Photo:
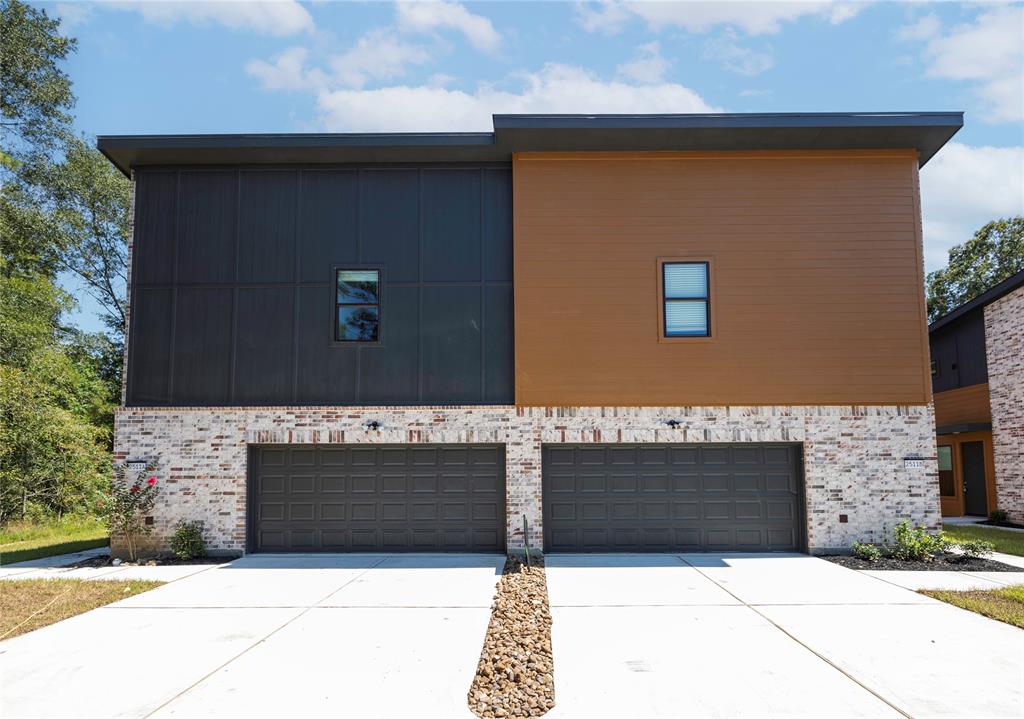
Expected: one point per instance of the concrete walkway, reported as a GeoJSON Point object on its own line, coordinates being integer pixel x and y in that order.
{"type": "Point", "coordinates": [768, 636]}
{"type": "Point", "coordinates": [267, 636]}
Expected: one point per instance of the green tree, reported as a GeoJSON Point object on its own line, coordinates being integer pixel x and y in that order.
{"type": "Point", "coordinates": [53, 456]}
{"type": "Point", "coordinates": [994, 253]}
{"type": "Point", "coordinates": [60, 211]}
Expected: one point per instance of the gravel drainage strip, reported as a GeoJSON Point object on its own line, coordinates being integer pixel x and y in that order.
{"type": "Point", "coordinates": [515, 675]}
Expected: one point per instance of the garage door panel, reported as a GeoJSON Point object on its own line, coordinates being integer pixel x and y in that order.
{"type": "Point", "coordinates": [707, 498]}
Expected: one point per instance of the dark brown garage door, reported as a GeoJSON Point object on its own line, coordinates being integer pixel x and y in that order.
{"type": "Point", "coordinates": [383, 498]}
{"type": "Point", "coordinates": [685, 498]}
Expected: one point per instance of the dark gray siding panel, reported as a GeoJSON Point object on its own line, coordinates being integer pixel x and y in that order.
{"type": "Point", "coordinates": [497, 225]}
{"type": "Point", "coordinates": [202, 346]}
{"type": "Point", "coordinates": [389, 223]}
{"type": "Point", "coordinates": [266, 236]}
{"type": "Point", "coordinates": [388, 373]}
{"type": "Point", "coordinates": [451, 226]}
{"type": "Point", "coordinates": [328, 222]}
{"type": "Point", "coordinates": [958, 351]}
{"type": "Point", "coordinates": [156, 196]}
{"type": "Point", "coordinates": [323, 377]}
{"type": "Point", "coordinates": [498, 348]}
{"type": "Point", "coordinates": [263, 346]}
{"type": "Point", "coordinates": [152, 349]}
{"type": "Point", "coordinates": [451, 346]}
{"type": "Point", "coordinates": [246, 259]}
{"type": "Point", "coordinates": [207, 226]}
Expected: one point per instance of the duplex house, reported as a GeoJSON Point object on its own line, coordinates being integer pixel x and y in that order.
{"type": "Point", "coordinates": [977, 371]}
{"type": "Point", "coordinates": [588, 333]}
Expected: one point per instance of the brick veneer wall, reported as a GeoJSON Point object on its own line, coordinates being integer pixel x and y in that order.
{"type": "Point", "coordinates": [853, 456]}
{"type": "Point", "coordinates": [1004, 350]}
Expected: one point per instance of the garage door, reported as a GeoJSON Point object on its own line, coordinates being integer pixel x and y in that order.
{"type": "Point", "coordinates": [657, 498]}
{"type": "Point", "coordinates": [383, 498]}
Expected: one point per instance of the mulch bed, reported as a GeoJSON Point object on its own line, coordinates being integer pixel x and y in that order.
{"type": "Point", "coordinates": [515, 676]}
{"type": "Point", "coordinates": [944, 562]}
{"type": "Point", "coordinates": [105, 560]}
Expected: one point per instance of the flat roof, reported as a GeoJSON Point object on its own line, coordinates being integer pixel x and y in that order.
{"type": "Point", "coordinates": [985, 298]}
{"type": "Point", "coordinates": [925, 132]}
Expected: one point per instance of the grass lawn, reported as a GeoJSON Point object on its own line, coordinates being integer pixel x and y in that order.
{"type": "Point", "coordinates": [1006, 604]}
{"type": "Point", "coordinates": [21, 541]}
{"type": "Point", "coordinates": [1006, 541]}
{"type": "Point", "coordinates": [27, 604]}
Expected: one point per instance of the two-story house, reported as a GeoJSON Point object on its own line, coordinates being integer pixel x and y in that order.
{"type": "Point", "coordinates": [977, 370]}
{"type": "Point", "coordinates": [597, 333]}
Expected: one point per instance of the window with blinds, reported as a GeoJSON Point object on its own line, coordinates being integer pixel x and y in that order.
{"type": "Point", "coordinates": [687, 310]}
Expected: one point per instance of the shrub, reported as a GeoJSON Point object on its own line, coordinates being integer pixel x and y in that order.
{"type": "Point", "coordinates": [126, 505]}
{"type": "Point", "coordinates": [915, 543]}
{"type": "Point", "coordinates": [187, 542]}
{"type": "Point", "coordinates": [976, 548]}
{"type": "Point", "coordinates": [867, 552]}
{"type": "Point", "coordinates": [998, 516]}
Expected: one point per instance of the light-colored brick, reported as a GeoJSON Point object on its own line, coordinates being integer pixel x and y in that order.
{"type": "Point", "coordinates": [853, 456]}
{"type": "Point", "coordinates": [1004, 350]}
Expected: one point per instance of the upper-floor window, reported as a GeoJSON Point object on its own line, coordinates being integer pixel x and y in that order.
{"type": "Point", "coordinates": [357, 306]}
{"type": "Point", "coordinates": [687, 310]}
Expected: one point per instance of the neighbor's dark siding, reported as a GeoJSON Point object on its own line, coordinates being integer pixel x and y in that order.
{"type": "Point", "coordinates": [232, 297]}
{"type": "Point", "coordinates": [958, 351]}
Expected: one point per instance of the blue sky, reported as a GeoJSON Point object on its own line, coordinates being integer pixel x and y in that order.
{"type": "Point", "coordinates": [154, 66]}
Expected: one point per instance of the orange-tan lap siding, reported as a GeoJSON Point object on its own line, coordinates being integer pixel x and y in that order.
{"type": "Point", "coordinates": [816, 274]}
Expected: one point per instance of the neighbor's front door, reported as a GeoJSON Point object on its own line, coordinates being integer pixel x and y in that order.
{"type": "Point", "coordinates": [973, 458]}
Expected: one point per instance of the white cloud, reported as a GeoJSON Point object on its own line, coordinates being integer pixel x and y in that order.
{"type": "Point", "coordinates": [924, 28]}
{"type": "Point", "coordinates": [430, 16]}
{"type": "Point", "coordinates": [962, 188]}
{"type": "Point", "coordinates": [736, 58]}
{"type": "Point", "coordinates": [268, 17]}
{"type": "Point", "coordinates": [647, 65]}
{"type": "Point", "coordinates": [287, 71]}
{"type": "Point", "coordinates": [988, 52]}
{"type": "Point", "coordinates": [555, 88]}
{"type": "Point", "coordinates": [72, 14]}
{"type": "Point", "coordinates": [754, 18]}
{"type": "Point", "coordinates": [377, 55]}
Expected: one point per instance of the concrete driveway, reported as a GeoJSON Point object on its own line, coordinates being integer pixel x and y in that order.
{"type": "Point", "coordinates": [768, 636]}
{"type": "Point", "coordinates": [267, 636]}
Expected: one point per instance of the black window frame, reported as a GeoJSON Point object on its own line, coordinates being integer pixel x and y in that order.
{"type": "Point", "coordinates": [336, 271]}
{"type": "Point", "coordinates": [665, 299]}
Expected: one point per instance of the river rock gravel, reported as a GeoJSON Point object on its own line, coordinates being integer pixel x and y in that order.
{"type": "Point", "coordinates": [515, 676]}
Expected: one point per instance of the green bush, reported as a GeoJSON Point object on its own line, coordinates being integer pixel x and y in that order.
{"type": "Point", "coordinates": [998, 516]}
{"type": "Point", "coordinates": [867, 552]}
{"type": "Point", "coordinates": [976, 548]}
{"type": "Point", "coordinates": [187, 542]}
{"type": "Point", "coordinates": [915, 543]}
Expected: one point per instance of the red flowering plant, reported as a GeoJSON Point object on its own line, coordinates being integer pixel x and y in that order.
{"type": "Point", "coordinates": [128, 503]}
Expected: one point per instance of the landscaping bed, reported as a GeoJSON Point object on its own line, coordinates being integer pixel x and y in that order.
{"type": "Point", "coordinates": [1005, 604]}
{"type": "Point", "coordinates": [1006, 541]}
{"type": "Point", "coordinates": [27, 604]}
{"type": "Point", "coordinates": [515, 676]}
{"type": "Point", "coordinates": [942, 562]}
{"type": "Point", "coordinates": [105, 560]}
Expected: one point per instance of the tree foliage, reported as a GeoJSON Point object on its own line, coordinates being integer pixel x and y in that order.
{"type": "Point", "coordinates": [62, 210]}
{"type": "Point", "coordinates": [994, 253]}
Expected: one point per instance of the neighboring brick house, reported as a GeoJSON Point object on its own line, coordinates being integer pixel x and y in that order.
{"type": "Point", "coordinates": [632, 333]}
{"type": "Point", "coordinates": [978, 379]}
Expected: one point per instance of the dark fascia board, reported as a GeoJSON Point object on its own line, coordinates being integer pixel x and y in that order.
{"type": "Point", "coordinates": [1003, 288]}
{"type": "Point", "coordinates": [964, 428]}
{"type": "Point", "coordinates": [129, 151]}
{"type": "Point", "coordinates": [924, 132]}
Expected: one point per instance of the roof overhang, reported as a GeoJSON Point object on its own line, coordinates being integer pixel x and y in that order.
{"type": "Point", "coordinates": [924, 132]}
{"type": "Point", "coordinates": [989, 296]}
